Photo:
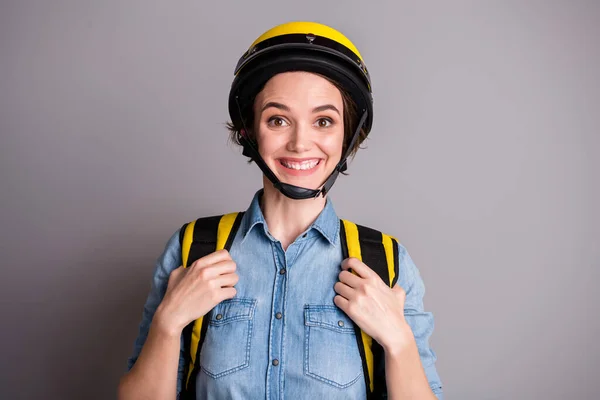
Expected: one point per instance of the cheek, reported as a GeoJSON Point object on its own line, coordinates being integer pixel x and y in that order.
{"type": "Point", "coordinates": [267, 144]}
{"type": "Point", "coordinates": [333, 146]}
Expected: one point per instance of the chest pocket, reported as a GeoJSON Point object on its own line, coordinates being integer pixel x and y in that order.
{"type": "Point", "coordinates": [226, 347]}
{"type": "Point", "coordinates": [330, 350]}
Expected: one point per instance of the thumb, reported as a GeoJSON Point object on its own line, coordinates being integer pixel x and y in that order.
{"type": "Point", "coordinates": [398, 291]}
{"type": "Point", "coordinates": [175, 275]}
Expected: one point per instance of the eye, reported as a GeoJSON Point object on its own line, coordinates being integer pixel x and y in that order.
{"type": "Point", "coordinates": [277, 122]}
{"type": "Point", "coordinates": [324, 122]}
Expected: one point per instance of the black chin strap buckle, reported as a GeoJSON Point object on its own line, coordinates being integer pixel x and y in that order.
{"type": "Point", "coordinates": [246, 150]}
{"type": "Point", "coordinates": [343, 166]}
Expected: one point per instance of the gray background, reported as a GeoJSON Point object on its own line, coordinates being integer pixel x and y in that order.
{"type": "Point", "coordinates": [482, 161]}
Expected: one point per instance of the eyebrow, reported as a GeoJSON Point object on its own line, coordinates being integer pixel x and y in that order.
{"type": "Point", "coordinates": [283, 107]}
{"type": "Point", "coordinates": [275, 105]}
{"type": "Point", "coordinates": [325, 108]}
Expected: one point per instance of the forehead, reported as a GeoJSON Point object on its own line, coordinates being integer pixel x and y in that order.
{"type": "Point", "coordinates": [299, 88]}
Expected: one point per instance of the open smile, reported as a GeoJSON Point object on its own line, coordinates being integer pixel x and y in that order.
{"type": "Point", "coordinates": [299, 167]}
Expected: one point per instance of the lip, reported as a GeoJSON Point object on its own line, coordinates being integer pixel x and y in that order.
{"type": "Point", "coordinates": [298, 172]}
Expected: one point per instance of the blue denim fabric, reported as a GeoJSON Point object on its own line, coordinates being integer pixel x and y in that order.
{"type": "Point", "coordinates": [312, 340]}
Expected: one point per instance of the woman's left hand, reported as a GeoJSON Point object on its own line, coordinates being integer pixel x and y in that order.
{"type": "Point", "coordinates": [375, 307]}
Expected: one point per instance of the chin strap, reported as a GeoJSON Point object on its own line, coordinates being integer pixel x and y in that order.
{"type": "Point", "coordinates": [291, 191]}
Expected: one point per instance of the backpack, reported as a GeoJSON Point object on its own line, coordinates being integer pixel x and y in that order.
{"type": "Point", "coordinates": [379, 251]}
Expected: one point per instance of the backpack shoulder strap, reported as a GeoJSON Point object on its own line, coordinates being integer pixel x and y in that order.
{"type": "Point", "coordinates": [206, 235]}
{"type": "Point", "coordinates": [198, 239]}
{"type": "Point", "coordinates": [376, 249]}
{"type": "Point", "coordinates": [380, 252]}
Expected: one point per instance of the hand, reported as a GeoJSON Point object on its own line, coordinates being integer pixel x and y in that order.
{"type": "Point", "coordinates": [194, 291]}
{"type": "Point", "coordinates": [375, 307]}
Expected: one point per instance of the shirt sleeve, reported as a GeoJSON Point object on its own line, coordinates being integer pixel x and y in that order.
{"type": "Point", "coordinates": [420, 321]}
{"type": "Point", "coordinates": [169, 260]}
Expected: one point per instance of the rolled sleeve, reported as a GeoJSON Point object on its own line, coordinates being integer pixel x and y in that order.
{"type": "Point", "coordinates": [169, 260]}
{"type": "Point", "coordinates": [420, 321]}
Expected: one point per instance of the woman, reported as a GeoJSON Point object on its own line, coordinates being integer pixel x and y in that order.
{"type": "Point", "coordinates": [285, 313]}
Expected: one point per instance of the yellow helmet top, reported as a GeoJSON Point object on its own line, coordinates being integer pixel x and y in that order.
{"type": "Point", "coordinates": [301, 46]}
{"type": "Point", "coordinates": [306, 28]}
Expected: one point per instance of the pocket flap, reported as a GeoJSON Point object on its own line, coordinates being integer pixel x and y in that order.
{"type": "Point", "coordinates": [330, 317]}
{"type": "Point", "coordinates": [232, 310]}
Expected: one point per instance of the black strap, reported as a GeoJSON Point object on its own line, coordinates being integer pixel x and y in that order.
{"type": "Point", "coordinates": [204, 242]}
{"type": "Point", "coordinates": [373, 254]}
{"type": "Point", "coordinates": [357, 330]}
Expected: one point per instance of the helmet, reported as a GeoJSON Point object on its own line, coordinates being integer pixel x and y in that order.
{"type": "Point", "coordinates": [300, 46]}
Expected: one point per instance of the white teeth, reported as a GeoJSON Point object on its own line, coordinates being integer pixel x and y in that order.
{"type": "Point", "coordinates": [300, 166]}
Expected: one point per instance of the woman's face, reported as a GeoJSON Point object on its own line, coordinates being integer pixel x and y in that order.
{"type": "Point", "coordinates": [299, 127]}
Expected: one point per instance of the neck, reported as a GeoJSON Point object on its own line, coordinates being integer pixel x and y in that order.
{"type": "Point", "coordinates": [287, 218]}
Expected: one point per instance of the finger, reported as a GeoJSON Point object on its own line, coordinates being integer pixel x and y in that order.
{"type": "Point", "coordinates": [358, 267]}
{"type": "Point", "coordinates": [213, 271]}
{"type": "Point", "coordinates": [220, 268]}
{"type": "Point", "coordinates": [399, 291]}
{"type": "Point", "coordinates": [177, 271]}
{"type": "Point", "coordinates": [350, 279]}
{"type": "Point", "coordinates": [344, 290]}
{"type": "Point", "coordinates": [223, 267]}
{"type": "Point", "coordinates": [175, 275]}
{"type": "Point", "coordinates": [212, 258]}
{"type": "Point", "coordinates": [227, 280]}
{"type": "Point", "coordinates": [342, 303]}
{"type": "Point", "coordinates": [226, 293]}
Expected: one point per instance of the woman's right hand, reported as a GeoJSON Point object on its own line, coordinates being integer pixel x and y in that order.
{"type": "Point", "coordinates": [194, 291]}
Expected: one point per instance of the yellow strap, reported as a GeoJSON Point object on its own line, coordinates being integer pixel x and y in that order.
{"type": "Point", "coordinates": [389, 256]}
{"type": "Point", "coordinates": [352, 239]}
{"type": "Point", "coordinates": [225, 225]}
{"type": "Point", "coordinates": [187, 242]}
{"type": "Point", "coordinates": [188, 237]}
{"type": "Point", "coordinates": [223, 231]}
{"type": "Point", "coordinates": [194, 346]}
{"type": "Point", "coordinates": [353, 243]}
{"type": "Point", "coordinates": [368, 343]}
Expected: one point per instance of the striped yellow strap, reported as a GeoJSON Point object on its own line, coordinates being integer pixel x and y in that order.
{"type": "Point", "coordinates": [186, 245]}
{"type": "Point", "coordinates": [188, 236]}
{"type": "Point", "coordinates": [389, 255]}
{"type": "Point", "coordinates": [194, 346]}
{"type": "Point", "coordinates": [352, 239]}
{"type": "Point", "coordinates": [225, 226]}
{"type": "Point", "coordinates": [353, 243]}
{"type": "Point", "coordinates": [223, 231]}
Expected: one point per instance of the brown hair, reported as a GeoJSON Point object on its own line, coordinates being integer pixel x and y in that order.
{"type": "Point", "coordinates": [350, 121]}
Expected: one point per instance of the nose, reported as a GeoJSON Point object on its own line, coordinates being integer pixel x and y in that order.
{"type": "Point", "coordinates": [300, 140]}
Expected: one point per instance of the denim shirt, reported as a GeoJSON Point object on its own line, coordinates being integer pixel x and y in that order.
{"type": "Point", "coordinates": [281, 337]}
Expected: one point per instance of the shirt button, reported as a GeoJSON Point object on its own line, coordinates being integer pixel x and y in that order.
{"type": "Point", "coordinates": [275, 362]}
{"type": "Point", "coordinates": [278, 315]}
{"type": "Point", "coordinates": [219, 316]}
{"type": "Point", "coordinates": [282, 271]}
{"type": "Point", "coordinates": [341, 323]}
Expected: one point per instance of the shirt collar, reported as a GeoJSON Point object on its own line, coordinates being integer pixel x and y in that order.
{"type": "Point", "coordinates": [327, 223]}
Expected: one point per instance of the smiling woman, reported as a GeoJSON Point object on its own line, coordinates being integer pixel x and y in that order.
{"type": "Point", "coordinates": [286, 300]}
{"type": "Point", "coordinates": [347, 112]}
{"type": "Point", "coordinates": [299, 128]}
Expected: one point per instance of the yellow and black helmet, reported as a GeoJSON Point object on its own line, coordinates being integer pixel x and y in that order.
{"type": "Point", "coordinates": [301, 46]}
